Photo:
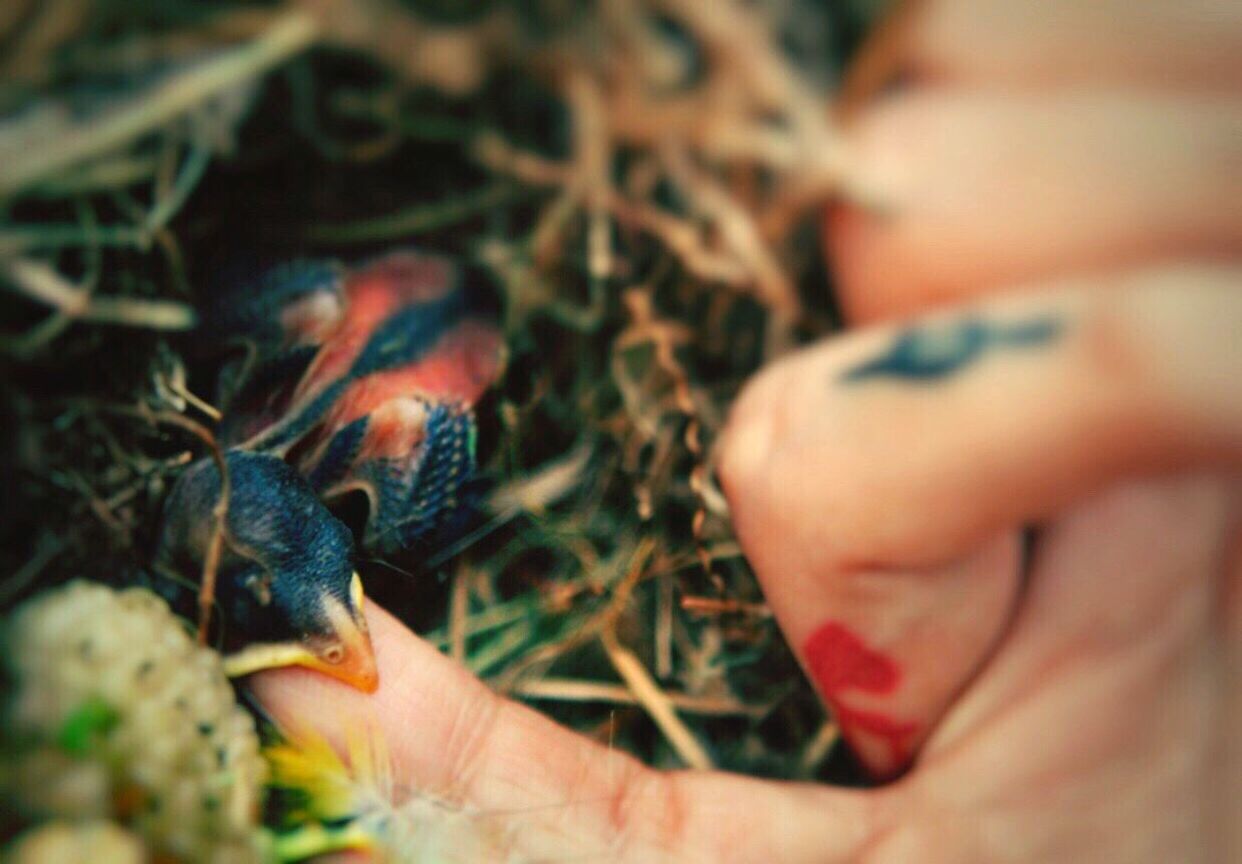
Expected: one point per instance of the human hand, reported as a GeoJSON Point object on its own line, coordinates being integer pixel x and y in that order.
{"type": "Point", "coordinates": [1071, 699]}
{"type": "Point", "coordinates": [1071, 703]}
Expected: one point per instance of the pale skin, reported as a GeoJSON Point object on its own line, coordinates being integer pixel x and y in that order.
{"type": "Point", "coordinates": [1080, 703]}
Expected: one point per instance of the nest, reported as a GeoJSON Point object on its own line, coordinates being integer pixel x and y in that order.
{"type": "Point", "coordinates": [643, 179]}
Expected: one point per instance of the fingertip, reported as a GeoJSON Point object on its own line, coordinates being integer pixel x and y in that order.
{"type": "Point", "coordinates": [764, 419]}
{"type": "Point", "coordinates": [746, 441]}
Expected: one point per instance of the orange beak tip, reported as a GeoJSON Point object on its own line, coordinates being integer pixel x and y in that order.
{"type": "Point", "coordinates": [359, 669]}
{"type": "Point", "coordinates": [363, 674]}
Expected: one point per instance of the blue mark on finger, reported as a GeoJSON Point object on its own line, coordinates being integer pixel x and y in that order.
{"type": "Point", "coordinates": [930, 352]}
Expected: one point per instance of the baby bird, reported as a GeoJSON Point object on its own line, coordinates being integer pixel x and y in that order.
{"type": "Point", "coordinates": [379, 401]}
{"type": "Point", "coordinates": [384, 407]}
{"type": "Point", "coordinates": [350, 381]}
{"type": "Point", "coordinates": [285, 580]}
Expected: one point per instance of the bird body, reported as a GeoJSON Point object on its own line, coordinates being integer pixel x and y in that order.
{"type": "Point", "coordinates": [358, 380]}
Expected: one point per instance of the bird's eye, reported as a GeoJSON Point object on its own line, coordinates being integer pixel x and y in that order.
{"type": "Point", "coordinates": [333, 654]}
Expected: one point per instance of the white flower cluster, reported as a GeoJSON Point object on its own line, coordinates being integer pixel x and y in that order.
{"type": "Point", "coordinates": [122, 716]}
{"type": "Point", "coordinates": [64, 842]}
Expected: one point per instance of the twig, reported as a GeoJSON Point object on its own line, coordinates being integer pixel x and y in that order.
{"type": "Point", "coordinates": [496, 154]}
{"type": "Point", "coordinates": [40, 282]}
{"type": "Point", "coordinates": [738, 230]}
{"type": "Point", "coordinates": [818, 748]}
{"type": "Point", "coordinates": [593, 626]}
{"type": "Point", "coordinates": [215, 546]}
{"type": "Point", "coordinates": [636, 676]}
{"type": "Point", "coordinates": [459, 609]}
{"type": "Point", "coordinates": [663, 637]}
{"type": "Point", "coordinates": [288, 35]}
{"type": "Point", "coordinates": [97, 505]}
{"type": "Point", "coordinates": [656, 702]}
{"type": "Point", "coordinates": [419, 218]}
{"type": "Point", "coordinates": [179, 387]}
{"type": "Point", "coordinates": [573, 690]}
{"type": "Point", "coordinates": [501, 648]}
{"type": "Point", "coordinates": [19, 239]}
{"type": "Point", "coordinates": [46, 552]}
{"type": "Point", "coordinates": [544, 486]}
{"type": "Point", "coordinates": [220, 513]}
{"type": "Point", "coordinates": [724, 606]}
{"type": "Point", "coordinates": [594, 160]}
{"type": "Point", "coordinates": [680, 237]}
{"type": "Point", "coordinates": [187, 179]}
{"type": "Point", "coordinates": [500, 615]}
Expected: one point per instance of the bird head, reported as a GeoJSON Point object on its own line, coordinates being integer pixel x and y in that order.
{"type": "Point", "coordinates": [314, 626]}
{"type": "Point", "coordinates": [286, 585]}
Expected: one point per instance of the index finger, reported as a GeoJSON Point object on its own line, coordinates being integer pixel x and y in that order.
{"type": "Point", "coordinates": [1046, 43]}
{"type": "Point", "coordinates": [876, 480]}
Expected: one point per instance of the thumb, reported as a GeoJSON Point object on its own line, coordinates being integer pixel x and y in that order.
{"type": "Point", "coordinates": [542, 792]}
{"type": "Point", "coordinates": [876, 481]}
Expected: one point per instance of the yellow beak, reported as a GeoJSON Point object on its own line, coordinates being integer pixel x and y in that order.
{"type": "Point", "coordinates": [350, 658]}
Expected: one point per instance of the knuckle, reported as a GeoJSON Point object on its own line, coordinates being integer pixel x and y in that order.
{"type": "Point", "coordinates": [646, 815]}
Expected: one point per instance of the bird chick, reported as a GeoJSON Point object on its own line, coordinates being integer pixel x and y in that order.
{"type": "Point", "coordinates": [366, 383]}
{"type": "Point", "coordinates": [350, 380]}
{"type": "Point", "coordinates": [285, 581]}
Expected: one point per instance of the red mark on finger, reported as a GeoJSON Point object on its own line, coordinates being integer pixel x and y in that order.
{"type": "Point", "coordinates": [839, 661]}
